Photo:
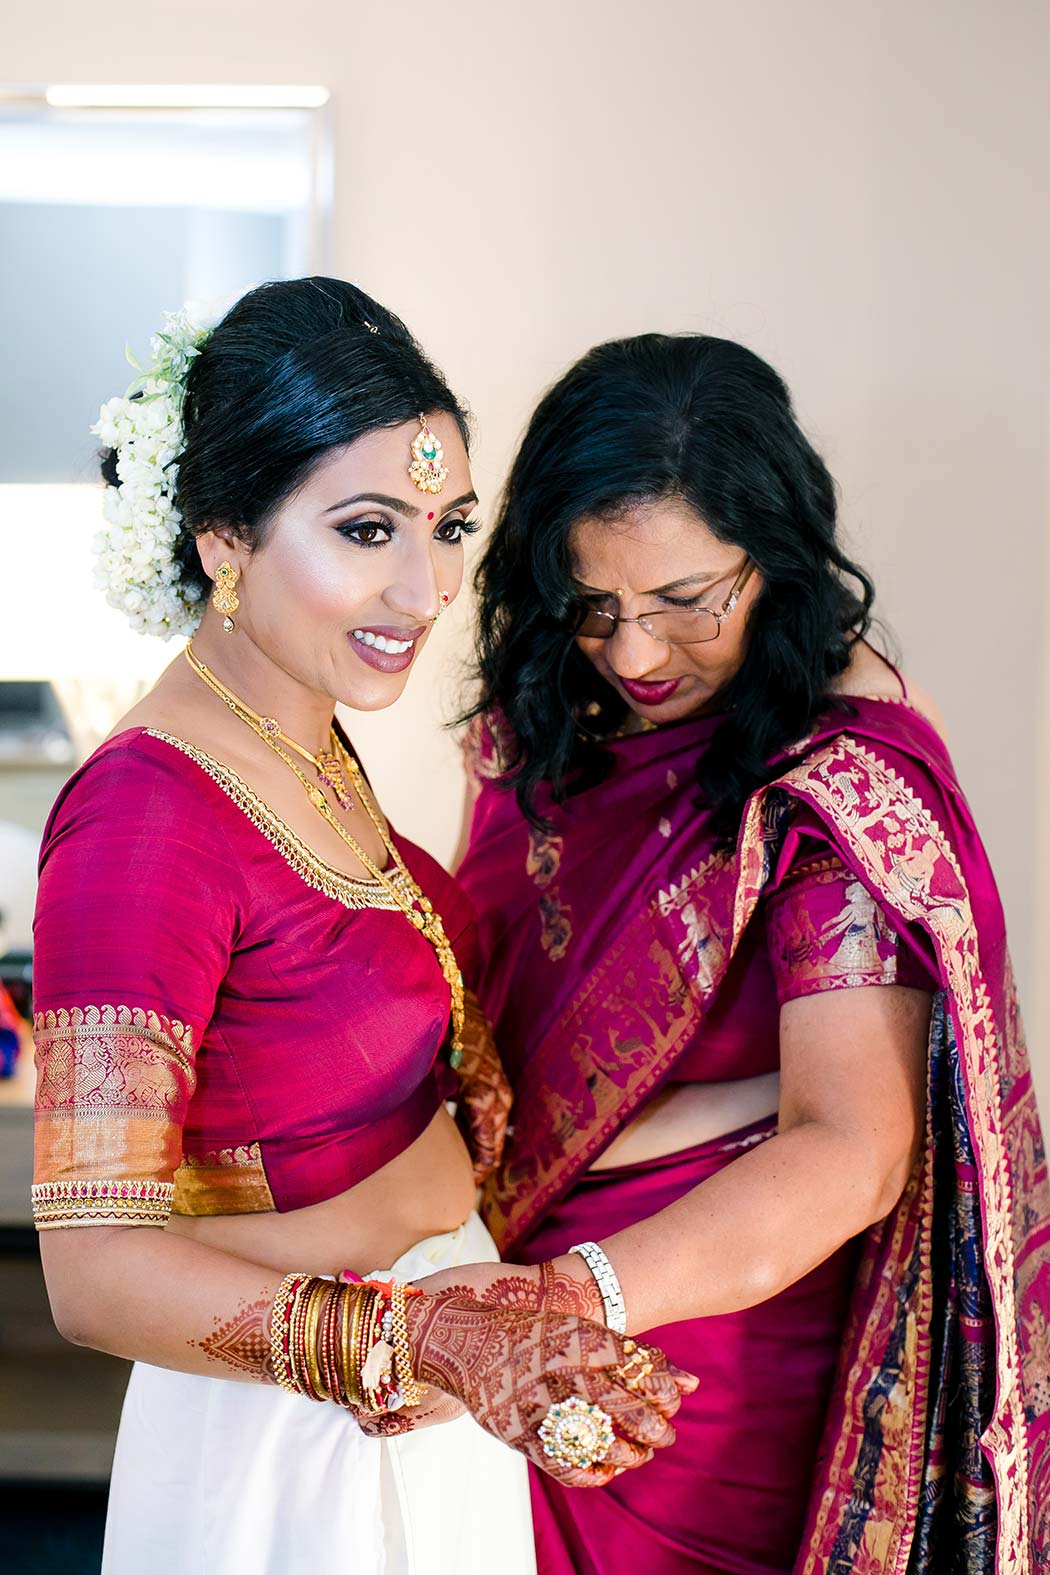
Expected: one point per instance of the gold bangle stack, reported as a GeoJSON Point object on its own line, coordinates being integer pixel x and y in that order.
{"type": "Point", "coordinates": [405, 892]}
{"type": "Point", "coordinates": [324, 1334]}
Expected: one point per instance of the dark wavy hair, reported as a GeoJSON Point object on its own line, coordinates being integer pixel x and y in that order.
{"type": "Point", "coordinates": [294, 369]}
{"type": "Point", "coordinates": [661, 416]}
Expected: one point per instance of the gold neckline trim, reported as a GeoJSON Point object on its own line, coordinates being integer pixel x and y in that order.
{"type": "Point", "coordinates": [351, 891]}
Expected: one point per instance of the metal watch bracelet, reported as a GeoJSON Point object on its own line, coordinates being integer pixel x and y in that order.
{"type": "Point", "coordinates": [607, 1282]}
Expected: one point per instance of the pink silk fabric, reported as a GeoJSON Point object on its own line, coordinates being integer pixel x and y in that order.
{"type": "Point", "coordinates": [914, 1367]}
{"type": "Point", "coordinates": [731, 1493]}
{"type": "Point", "coordinates": [198, 1000]}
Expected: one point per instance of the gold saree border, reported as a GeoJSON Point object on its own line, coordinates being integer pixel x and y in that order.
{"type": "Point", "coordinates": [886, 1538]}
{"type": "Point", "coordinates": [916, 857]}
{"type": "Point", "coordinates": [113, 1085]}
{"type": "Point", "coordinates": [61, 1204]}
{"type": "Point", "coordinates": [665, 1018]}
{"type": "Point", "coordinates": [223, 1181]}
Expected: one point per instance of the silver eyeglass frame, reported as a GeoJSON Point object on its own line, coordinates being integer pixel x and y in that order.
{"type": "Point", "coordinates": [644, 620]}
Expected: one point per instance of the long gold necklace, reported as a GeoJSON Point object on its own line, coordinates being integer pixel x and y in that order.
{"type": "Point", "coordinates": [326, 762]}
{"type": "Point", "coordinates": [406, 894]}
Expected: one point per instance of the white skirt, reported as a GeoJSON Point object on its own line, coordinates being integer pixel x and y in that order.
{"type": "Point", "coordinates": [213, 1477]}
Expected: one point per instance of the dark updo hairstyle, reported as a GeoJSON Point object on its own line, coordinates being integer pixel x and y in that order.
{"type": "Point", "coordinates": [662, 416]}
{"type": "Point", "coordinates": [294, 369]}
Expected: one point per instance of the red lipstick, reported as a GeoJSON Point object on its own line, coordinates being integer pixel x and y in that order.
{"type": "Point", "coordinates": [650, 694]}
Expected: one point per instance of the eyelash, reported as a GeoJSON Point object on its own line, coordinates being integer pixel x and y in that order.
{"type": "Point", "coordinates": [350, 531]}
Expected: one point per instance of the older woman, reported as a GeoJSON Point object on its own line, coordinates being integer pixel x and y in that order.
{"type": "Point", "coordinates": [745, 960]}
{"type": "Point", "coordinates": [249, 1010]}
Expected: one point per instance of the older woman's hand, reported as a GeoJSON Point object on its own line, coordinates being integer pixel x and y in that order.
{"type": "Point", "coordinates": [510, 1366]}
{"type": "Point", "coordinates": [565, 1286]}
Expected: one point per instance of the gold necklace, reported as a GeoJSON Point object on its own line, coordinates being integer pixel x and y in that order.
{"type": "Point", "coordinates": [326, 763]}
{"type": "Point", "coordinates": [406, 893]}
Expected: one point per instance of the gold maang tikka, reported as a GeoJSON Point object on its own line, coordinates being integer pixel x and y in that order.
{"type": "Point", "coordinates": [427, 471]}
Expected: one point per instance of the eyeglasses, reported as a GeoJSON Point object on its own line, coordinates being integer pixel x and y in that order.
{"type": "Point", "coordinates": [674, 626]}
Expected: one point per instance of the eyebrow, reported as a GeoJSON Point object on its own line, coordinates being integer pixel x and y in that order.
{"type": "Point", "coordinates": [660, 590]}
{"type": "Point", "coordinates": [399, 505]}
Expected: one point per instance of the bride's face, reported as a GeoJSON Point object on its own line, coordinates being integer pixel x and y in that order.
{"type": "Point", "coordinates": [655, 558]}
{"type": "Point", "coordinates": [354, 567]}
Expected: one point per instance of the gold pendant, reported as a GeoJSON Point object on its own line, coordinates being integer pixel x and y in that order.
{"type": "Point", "coordinates": [330, 773]}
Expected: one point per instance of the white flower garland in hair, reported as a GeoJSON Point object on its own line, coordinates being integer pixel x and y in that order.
{"type": "Point", "coordinates": [135, 553]}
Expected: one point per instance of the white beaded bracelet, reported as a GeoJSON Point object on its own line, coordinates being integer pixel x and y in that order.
{"type": "Point", "coordinates": [608, 1284]}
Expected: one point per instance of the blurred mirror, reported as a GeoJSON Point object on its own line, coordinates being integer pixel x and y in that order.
{"type": "Point", "coordinates": [116, 205]}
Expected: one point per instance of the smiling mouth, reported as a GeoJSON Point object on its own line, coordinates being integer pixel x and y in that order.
{"type": "Point", "coordinates": [382, 642]}
{"type": "Point", "coordinates": [388, 649]}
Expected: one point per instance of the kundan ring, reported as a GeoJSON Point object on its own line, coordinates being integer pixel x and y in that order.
{"type": "Point", "coordinates": [576, 1433]}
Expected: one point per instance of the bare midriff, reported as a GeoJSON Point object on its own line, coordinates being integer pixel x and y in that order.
{"type": "Point", "coordinates": [424, 1191]}
{"type": "Point", "coordinates": [685, 1114]}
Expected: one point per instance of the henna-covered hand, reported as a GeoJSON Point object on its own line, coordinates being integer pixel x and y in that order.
{"type": "Point", "coordinates": [510, 1366]}
{"type": "Point", "coordinates": [564, 1285]}
{"type": "Point", "coordinates": [484, 1093]}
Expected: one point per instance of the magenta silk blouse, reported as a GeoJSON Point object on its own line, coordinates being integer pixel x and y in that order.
{"type": "Point", "coordinates": [817, 928]}
{"type": "Point", "coordinates": [224, 1023]}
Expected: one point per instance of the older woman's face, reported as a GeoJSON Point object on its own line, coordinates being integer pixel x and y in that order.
{"type": "Point", "coordinates": [654, 557]}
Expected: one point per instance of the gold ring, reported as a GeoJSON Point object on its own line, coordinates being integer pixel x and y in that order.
{"type": "Point", "coordinates": [576, 1433]}
{"type": "Point", "coordinates": [639, 1365]}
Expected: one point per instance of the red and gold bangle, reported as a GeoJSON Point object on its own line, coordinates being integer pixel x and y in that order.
{"type": "Point", "coordinates": [297, 1349]}
{"type": "Point", "coordinates": [280, 1330]}
{"type": "Point", "coordinates": [330, 1343]}
{"type": "Point", "coordinates": [298, 1337]}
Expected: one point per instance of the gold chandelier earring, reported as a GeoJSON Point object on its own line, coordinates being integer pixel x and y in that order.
{"type": "Point", "coordinates": [224, 597]}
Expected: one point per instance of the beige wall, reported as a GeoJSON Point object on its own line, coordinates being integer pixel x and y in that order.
{"type": "Point", "coordinates": [856, 190]}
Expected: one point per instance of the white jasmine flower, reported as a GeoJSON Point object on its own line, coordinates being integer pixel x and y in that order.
{"type": "Point", "coordinates": [134, 556]}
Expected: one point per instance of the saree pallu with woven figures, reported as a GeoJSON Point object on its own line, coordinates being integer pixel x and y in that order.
{"type": "Point", "coordinates": [935, 1457]}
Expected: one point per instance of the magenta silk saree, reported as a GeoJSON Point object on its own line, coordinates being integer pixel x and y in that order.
{"type": "Point", "coordinates": [936, 1442]}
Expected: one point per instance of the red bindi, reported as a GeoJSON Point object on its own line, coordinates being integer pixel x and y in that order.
{"type": "Point", "coordinates": [430, 516]}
